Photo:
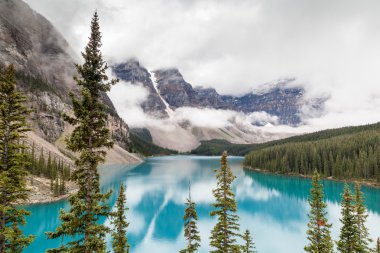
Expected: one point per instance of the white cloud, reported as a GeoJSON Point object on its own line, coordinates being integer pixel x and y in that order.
{"type": "Point", "coordinates": [331, 47]}
{"type": "Point", "coordinates": [206, 117]}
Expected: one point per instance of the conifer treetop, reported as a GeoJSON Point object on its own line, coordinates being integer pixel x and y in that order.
{"type": "Point", "coordinates": [13, 163]}
{"type": "Point", "coordinates": [225, 233]}
{"type": "Point", "coordinates": [318, 232]}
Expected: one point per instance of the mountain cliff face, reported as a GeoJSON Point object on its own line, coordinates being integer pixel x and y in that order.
{"type": "Point", "coordinates": [33, 45]}
{"type": "Point", "coordinates": [45, 70]}
{"type": "Point", "coordinates": [133, 72]}
{"type": "Point", "coordinates": [279, 100]}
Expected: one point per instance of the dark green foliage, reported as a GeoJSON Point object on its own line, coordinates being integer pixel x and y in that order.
{"type": "Point", "coordinates": [318, 232]}
{"type": "Point", "coordinates": [377, 249]}
{"type": "Point", "coordinates": [12, 164]}
{"type": "Point", "coordinates": [119, 233]}
{"type": "Point", "coordinates": [216, 147]}
{"type": "Point", "coordinates": [224, 234]}
{"type": "Point", "coordinates": [349, 232]}
{"type": "Point", "coordinates": [344, 153]}
{"type": "Point", "coordinates": [90, 139]}
{"type": "Point", "coordinates": [52, 169]}
{"type": "Point", "coordinates": [191, 230]}
{"type": "Point", "coordinates": [249, 245]}
{"type": "Point", "coordinates": [142, 133]}
{"type": "Point", "coordinates": [363, 240]}
{"type": "Point", "coordinates": [35, 83]}
{"type": "Point", "coordinates": [141, 140]}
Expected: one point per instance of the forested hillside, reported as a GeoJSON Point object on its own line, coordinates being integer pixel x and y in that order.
{"type": "Point", "coordinates": [350, 152]}
{"type": "Point", "coordinates": [216, 147]}
{"type": "Point", "coordinates": [142, 142]}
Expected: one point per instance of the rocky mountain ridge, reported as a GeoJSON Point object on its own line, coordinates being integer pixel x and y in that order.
{"type": "Point", "coordinates": [45, 68]}
{"type": "Point", "coordinates": [285, 103]}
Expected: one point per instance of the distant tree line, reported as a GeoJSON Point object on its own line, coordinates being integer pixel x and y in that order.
{"type": "Point", "coordinates": [348, 156]}
{"type": "Point", "coordinates": [35, 83]}
{"type": "Point", "coordinates": [216, 147]}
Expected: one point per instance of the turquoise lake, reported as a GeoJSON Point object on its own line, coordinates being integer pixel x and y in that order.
{"type": "Point", "coordinates": [273, 207]}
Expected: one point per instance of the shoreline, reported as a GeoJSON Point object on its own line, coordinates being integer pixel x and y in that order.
{"type": "Point", "coordinates": [368, 183]}
{"type": "Point", "coordinates": [40, 192]}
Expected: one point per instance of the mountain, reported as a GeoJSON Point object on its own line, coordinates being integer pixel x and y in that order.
{"type": "Point", "coordinates": [143, 143]}
{"type": "Point", "coordinates": [216, 147]}
{"type": "Point", "coordinates": [45, 68]}
{"type": "Point", "coordinates": [170, 96]}
{"type": "Point", "coordinates": [285, 103]}
{"type": "Point", "coordinates": [133, 72]}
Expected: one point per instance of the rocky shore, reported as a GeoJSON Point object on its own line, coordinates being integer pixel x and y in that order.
{"type": "Point", "coordinates": [40, 191]}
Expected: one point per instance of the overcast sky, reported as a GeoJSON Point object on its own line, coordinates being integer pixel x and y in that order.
{"type": "Point", "coordinates": [331, 46]}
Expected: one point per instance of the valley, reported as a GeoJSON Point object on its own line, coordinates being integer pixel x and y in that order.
{"type": "Point", "coordinates": [193, 127]}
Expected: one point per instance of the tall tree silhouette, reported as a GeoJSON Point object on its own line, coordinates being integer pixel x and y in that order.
{"type": "Point", "coordinates": [363, 240]}
{"type": "Point", "coordinates": [13, 163]}
{"type": "Point", "coordinates": [249, 245]}
{"type": "Point", "coordinates": [191, 230]}
{"type": "Point", "coordinates": [224, 234]}
{"type": "Point", "coordinates": [119, 233]}
{"type": "Point", "coordinates": [318, 232]}
{"type": "Point", "coordinates": [89, 139]}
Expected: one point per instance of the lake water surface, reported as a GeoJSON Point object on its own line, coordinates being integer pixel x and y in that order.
{"type": "Point", "coordinates": [273, 207]}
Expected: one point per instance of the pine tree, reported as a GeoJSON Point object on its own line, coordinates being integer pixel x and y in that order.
{"type": "Point", "coordinates": [89, 139]}
{"type": "Point", "coordinates": [363, 240]}
{"type": "Point", "coordinates": [13, 164]}
{"type": "Point", "coordinates": [249, 245]}
{"type": "Point", "coordinates": [56, 187]}
{"type": "Point", "coordinates": [62, 187]}
{"type": "Point", "coordinates": [191, 229]}
{"type": "Point", "coordinates": [318, 232]}
{"type": "Point", "coordinates": [41, 163]}
{"type": "Point", "coordinates": [119, 237]}
{"type": "Point", "coordinates": [49, 167]}
{"type": "Point", "coordinates": [348, 233]}
{"type": "Point", "coordinates": [377, 249]}
{"type": "Point", "coordinates": [224, 233]}
{"type": "Point", "coordinates": [33, 160]}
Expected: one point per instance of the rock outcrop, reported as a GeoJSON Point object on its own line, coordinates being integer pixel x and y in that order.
{"type": "Point", "coordinates": [134, 73]}
{"type": "Point", "coordinates": [45, 68]}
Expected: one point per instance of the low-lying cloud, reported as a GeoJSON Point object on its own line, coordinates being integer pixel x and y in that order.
{"type": "Point", "coordinates": [128, 98]}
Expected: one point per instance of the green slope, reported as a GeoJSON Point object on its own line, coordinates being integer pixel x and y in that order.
{"type": "Point", "coordinates": [142, 143]}
{"type": "Point", "coordinates": [349, 152]}
{"type": "Point", "coordinates": [216, 147]}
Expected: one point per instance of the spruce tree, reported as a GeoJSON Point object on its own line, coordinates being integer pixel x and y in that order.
{"type": "Point", "coordinates": [191, 230]}
{"type": "Point", "coordinates": [62, 187]}
{"type": "Point", "coordinates": [224, 234]}
{"type": "Point", "coordinates": [348, 232]}
{"type": "Point", "coordinates": [249, 245]}
{"type": "Point", "coordinates": [13, 164]}
{"type": "Point", "coordinates": [41, 163]}
{"type": "Point", "coordinates": [377, 249]}
{"type": "Point", "coordinates": [119, 233]}
{"type": "Point", "coordinates": [363, 240]}
{"type": "Point", "coordinates": [318, 232]}
{"type": "Point", "coordinates": [90, 139]}
{"type": "Point", "coordinates": [33, 160]}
